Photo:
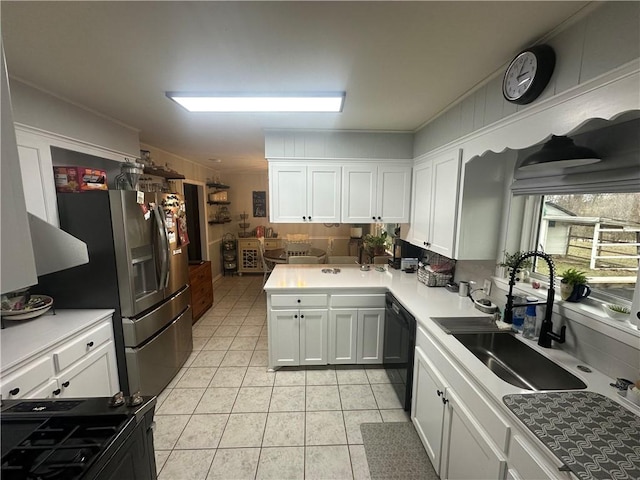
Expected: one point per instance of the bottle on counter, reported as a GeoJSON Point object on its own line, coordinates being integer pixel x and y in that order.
{"type": "Point", "coordinates": [518, 314]}
{"type": "Point", "coordinates": [530, 319]}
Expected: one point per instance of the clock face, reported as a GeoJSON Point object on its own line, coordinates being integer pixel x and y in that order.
{"type": "Point", "coordinates": [520, 76]}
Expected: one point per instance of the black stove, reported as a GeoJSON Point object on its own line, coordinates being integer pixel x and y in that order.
{"type": "Point", "coordinates": [77, 439]}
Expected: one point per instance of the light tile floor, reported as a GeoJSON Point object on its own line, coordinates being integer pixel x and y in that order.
{"type": "Point", "coordinates": [224, 416]}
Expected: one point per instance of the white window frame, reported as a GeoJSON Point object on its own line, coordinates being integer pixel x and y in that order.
{"type": "Point", "coordinates": [530, 232]}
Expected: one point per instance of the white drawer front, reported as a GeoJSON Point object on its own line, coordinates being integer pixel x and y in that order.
{"type": "Point", "coordinates": [249, 243]}
{"type": "Point", "coordinates": [357, 301]}
{"type": "Point", "coordinates": [81, 346]}
{"type": "Point", "coordinates": [20, 383]}
{"type": "Point", "coordinates": [301, 301]}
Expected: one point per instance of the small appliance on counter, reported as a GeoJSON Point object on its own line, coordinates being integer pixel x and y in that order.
{"type": "Point", "coordinates": [78, 438]}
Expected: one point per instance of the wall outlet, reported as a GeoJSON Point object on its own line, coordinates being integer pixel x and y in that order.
{"type": "Point", "coordinates": [486, 287]}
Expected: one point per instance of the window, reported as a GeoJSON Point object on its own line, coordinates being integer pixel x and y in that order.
{"type": "Point", "coordinates": [595, 233]}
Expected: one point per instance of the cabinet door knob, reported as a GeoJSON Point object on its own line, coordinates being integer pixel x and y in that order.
{"type": "Point", "coordinates": [299, 300]}
{"type": "Point", "coordinates": [444, 401]}
{"type": "Point", "coordinates": [439, 392]}
{"type": "Point", "coordinates": [14, 391]}
{"type": "Point", "coordinates": [90, 344]}
{"type": "Point", "coordinates": [379, 218]}
{"type": "Point", "coordinates": [301, 316]}
{"type": "Point", "coordinates": [304, 218]}
{"type": "Point", "coordinates": [295, 316]}
{"type": "Point", "coordinates": [56, 391]}
{"type": "Point", "coordinates": [65, 384]}
{"type": "Point", "coordinates": [309, 218]}
{"type": "Point", "coordinates": [373, 218]}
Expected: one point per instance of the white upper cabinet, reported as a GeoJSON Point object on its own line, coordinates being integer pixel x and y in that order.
{"type": "Point", "coordinates": [435, 203]}
{"type": "Point", "coordinates": [375, 192]}
{"type": "Point", "coordinates": [302, 192]}
{"type": "Point", "coordinates": [36, 167]}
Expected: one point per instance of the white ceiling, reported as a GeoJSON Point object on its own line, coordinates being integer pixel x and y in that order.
{"type": "Point", "coordinates": [400, 63]}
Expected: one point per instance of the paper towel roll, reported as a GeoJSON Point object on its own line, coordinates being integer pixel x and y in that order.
{"type": "Point", "coordinates": [356, 232]}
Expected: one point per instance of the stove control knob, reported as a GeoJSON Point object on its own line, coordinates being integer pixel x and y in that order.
{"type": "Point", "coordinates": [117, 400]}
{"type": "Point", "coordinates": [135, 400]}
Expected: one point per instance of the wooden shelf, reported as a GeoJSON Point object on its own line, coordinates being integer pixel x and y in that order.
{"type": "Point", "coordinates": [219, 203]}
{"type": "Point", "coordinates": [216, 222]}
{"type": "Point", "coordinates": [163, 173]}
{"type": "Point", "coordinates": [220, 186]}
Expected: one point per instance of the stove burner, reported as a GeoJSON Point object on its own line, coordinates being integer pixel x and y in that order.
{"type": "Point", "coordinates": [61, 448]}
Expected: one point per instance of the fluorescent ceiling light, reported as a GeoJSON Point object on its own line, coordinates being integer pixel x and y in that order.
{"type": "Point", "coordinates": [260, 103]}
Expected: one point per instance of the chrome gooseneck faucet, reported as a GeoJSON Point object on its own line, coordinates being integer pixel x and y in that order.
{"type": "Point", "coordinates": [546, 330]}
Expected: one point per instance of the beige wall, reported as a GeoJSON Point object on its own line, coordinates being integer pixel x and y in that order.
{"type": "Point", "coordinates": [241, 197]}
{"type": "Point", "coordinates": [332, 238]}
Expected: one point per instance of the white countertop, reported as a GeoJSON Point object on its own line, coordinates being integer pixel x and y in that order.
{"type": "Point", "coordinates": [21, 340]}
{"type": "Point", "coordinates": [426, 302]}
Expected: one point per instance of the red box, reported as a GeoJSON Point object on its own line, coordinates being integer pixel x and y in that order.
{"type": "Point", "coordinates": [79, 179]}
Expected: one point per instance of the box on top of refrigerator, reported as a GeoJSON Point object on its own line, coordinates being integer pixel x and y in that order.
{"type": "Point", "coordinates": [79, 179]}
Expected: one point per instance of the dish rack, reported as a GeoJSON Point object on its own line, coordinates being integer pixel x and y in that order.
{"type": "Point", "coordinates": [433, 279]}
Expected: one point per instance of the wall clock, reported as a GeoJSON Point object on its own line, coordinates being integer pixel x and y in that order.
{"type": "Point", "coordinates": [528, 73]}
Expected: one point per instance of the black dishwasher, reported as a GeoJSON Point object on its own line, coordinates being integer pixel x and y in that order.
{"type": "Point", "coordinates": [399, 346]}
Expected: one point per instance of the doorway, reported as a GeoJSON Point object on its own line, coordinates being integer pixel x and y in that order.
{"type": "Point", "coordinates": [194, 203]}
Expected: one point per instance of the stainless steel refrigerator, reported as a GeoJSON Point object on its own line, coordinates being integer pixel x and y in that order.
{"type": "Point", "coordinates": [137, 266]}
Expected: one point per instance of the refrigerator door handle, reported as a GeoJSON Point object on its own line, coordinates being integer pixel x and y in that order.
{"type": "Point", "coordinates": [164, 249]}
{"type": "Point", "coordinates": [167, 246]}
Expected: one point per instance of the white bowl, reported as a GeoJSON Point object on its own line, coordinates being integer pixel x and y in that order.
{"type": "Point", "coordinates": [621, 317]}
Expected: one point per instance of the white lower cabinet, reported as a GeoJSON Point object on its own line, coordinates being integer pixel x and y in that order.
{"type": "Point", "coordinates": [370, 335]}
{"type": "Point", "coordinates": [82, 365]}
{"type": "Point", "coordinates": [303, 331]}
{"type": "Point", "coordinates": [456, 443]}
{"type": "Point", "coordinates": [525, 463]}
{"type": "Point", "coordinates": [356, 329]}
{"type": "Point", "coordinates": [464, 431]}
{"type": "Point", "coordinates": [96, 373]}
{"type": "Point", "coordinates": [298, 337]}
{"type": "Point", "coordinates": [427, 408]}
{"type": "Point", "coordinates": [27, 378]}
{"type": "Point", "coordinates": [343, 326]}
{"type": "Point", "coordinates": [467, 450]}
{"type": "Point", "coordinates": [356, 335]}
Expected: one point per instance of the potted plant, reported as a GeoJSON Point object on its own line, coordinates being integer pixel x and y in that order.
{"type": "Point", "coordinates": [375, 244]}
{"type": "Point", "coordinates": [509, 263]}
{"type": "Point", "coordinates": [573, 286]}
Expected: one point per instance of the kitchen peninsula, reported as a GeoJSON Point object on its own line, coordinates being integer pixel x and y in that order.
{"type": "Point", "coordinates": [458, 404]}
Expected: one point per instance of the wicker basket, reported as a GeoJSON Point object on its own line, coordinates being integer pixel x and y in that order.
{"type": "Point", "coordinates": [433, 279]}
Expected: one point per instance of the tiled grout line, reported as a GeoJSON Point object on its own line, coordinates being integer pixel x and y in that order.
{"type": "Point", "coordinates": [258, 299]}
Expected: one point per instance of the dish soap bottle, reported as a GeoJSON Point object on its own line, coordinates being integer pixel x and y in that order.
{"type": "Point", "coordinates": [518, 314]}
{"type": "Point", "coordinates": [529, 328]}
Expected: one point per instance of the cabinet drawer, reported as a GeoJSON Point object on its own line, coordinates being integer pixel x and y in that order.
{"type": "Point", "coordinates": [27, 378]}
{"type": "Point", "coordinates": [80, 346]}
{"type": "Point", "coordinates": [309, 300]}
{"type": "Point", "coordinates": [358, 301]}
{"type": "Point", "coordinates": [249, 243]}
{"type": "Point", "coordinates": [271, 244]}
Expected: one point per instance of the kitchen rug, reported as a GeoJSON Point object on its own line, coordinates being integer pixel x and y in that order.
{"type": "Point", "coordinates": [394, 451]}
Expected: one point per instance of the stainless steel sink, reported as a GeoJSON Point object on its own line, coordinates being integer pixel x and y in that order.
{"type": "Point", "coordinates": [466, 324]}
{"type": "Point", "coordinates": [517, 363]}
